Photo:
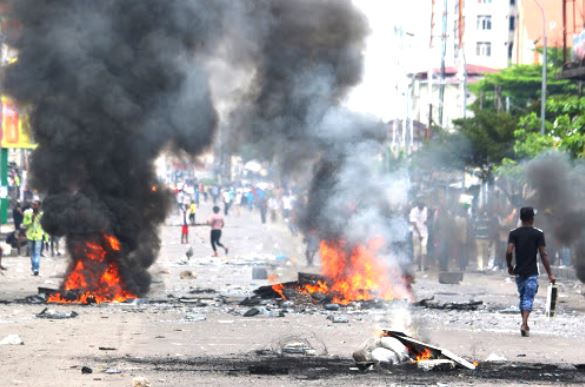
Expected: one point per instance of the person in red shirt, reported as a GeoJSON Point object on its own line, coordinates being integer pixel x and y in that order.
{"type": "Point", "coordinates": [216, 222]}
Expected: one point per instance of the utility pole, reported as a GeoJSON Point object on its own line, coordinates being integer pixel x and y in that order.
{"type": "Point", "coordinates": [443, 54]}
{"type": "Point", "coordinates": [544, 68]}
{"type": "Point", "coordinates": [429, 132]}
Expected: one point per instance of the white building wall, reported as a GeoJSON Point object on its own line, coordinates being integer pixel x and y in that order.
{"type": "Point", "coordinates": [498, 36]}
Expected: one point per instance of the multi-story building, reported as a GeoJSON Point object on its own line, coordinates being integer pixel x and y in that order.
{"type": "Point", "coordinates": [488, 35]}
{"type": "Point", "coordinates": [564, 19]}
{"type": "Point", "coordinates": [471, 38]}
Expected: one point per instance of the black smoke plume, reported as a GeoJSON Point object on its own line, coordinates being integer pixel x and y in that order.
{"type": "Point", "coordinates": [559, 185]}
{"type": "Point", "coordinates": [309, 56]}
{"type": "Point", "coordinates": [109, 83]}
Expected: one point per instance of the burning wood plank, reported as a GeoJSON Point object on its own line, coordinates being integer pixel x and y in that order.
{"type": "Point", "coordinates": [436, 351]}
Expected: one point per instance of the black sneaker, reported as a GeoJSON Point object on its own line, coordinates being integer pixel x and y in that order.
{"type": "Point", "coordinates": [35, 273]}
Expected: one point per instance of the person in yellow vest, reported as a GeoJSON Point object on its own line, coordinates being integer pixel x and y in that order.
{"type": "Point", "coordinates": [192, 212]}
{"type": "Point", "coordinates": [34, 234]}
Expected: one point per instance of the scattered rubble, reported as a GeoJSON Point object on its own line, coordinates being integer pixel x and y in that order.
{"type": "Point", "coordinates": [140, 381]}
{"type": "Point", "coordinates": [436, 365]}
{"type": "Point", "coordinates": [54, 315]}
{"type": "Point", "coordinates": [195, 316]}
{"type": "Point", "coordinates": [495, 358]}
{"type": "Point", "coordinates": [86, 370]}
{"type": "Point", "coordinates": [338, 319]}
{"type": "Point", "coordinates": [12, 340]}
{"type": "Point", "coordinates": [188, 275]}
{"type": "Point", "coordinates": [263, 311]}
{"type": "Point", "coordinates": [427, 303]}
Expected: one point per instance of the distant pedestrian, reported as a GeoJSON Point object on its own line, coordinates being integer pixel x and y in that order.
{"type": "Point", "coordinates": [216, 222]}
{"type": "Point", "coordinates": [524, 243]}
{"type": "Point", "coordinates": [192, 212]}
{"type": "Point", "coordinates": [418, 220]}
{"type": "Point", "coordinates": [273, 207]}
{"type": "Point", "coordinates": [17, 216]}
{"type": "Point", "coordinates": [184, 230]}
{"type": "Point", "coordinates": [226, 197]}
{"type": "Point", "coordinates": [34, 234]}
{"type": "Point", "coordinates": [184, 233]}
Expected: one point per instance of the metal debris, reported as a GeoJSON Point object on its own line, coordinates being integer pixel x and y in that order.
{"type": "Point", "coordinates": [54, 315]}
{"type": "Point", "coordinates": [12, 340]}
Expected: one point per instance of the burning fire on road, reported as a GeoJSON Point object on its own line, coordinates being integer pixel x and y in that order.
{"type": "Point", "coordinates": [94, 276]}
{"type": "Point", "coordinates": [353, 273]}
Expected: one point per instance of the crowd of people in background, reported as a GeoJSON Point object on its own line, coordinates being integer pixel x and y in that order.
{"type": "Point", "coordinates": [459, 235]}
{"type": "Point", "coordinates": [271, 204]}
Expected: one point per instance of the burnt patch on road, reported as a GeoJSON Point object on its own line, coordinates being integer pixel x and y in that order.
{"type": "Point", "coordinates": [312, 368]}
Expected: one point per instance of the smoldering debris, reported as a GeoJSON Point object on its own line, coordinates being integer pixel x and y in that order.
{"type": "Point", "coordinates": [558, 185]}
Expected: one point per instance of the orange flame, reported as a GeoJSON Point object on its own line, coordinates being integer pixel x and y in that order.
{"type": "Point", "coordinates": [355, 272]}
{"type": "Point", "coordinates": [424, 355]}
{"type": "Point", "coordinates": [279, 288]}
{"type": "Point", "coordinates": [93, 277]}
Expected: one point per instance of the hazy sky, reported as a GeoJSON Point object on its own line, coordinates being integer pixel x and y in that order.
{"type": "Point", "coordinates": [388, 57]}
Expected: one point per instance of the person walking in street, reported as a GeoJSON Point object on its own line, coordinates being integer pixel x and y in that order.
{"type": "Point", "coordinates": [524, 243]}
{"type": "Point", "coordinates": [216, 222]}
{"type": "Point", "coordinates": [418, 219]}
{"type": "Point", "coordinates": [184, 230]}
{"type": "Point", "coordinates": [192, 212]}
{"type": "Point", "coordinates": [34, 234]}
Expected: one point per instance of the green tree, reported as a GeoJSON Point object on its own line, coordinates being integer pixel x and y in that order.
{"type": "Point", "coordinates": [521, 85]}
{"type": "Point", "coordinates": [491, 138]}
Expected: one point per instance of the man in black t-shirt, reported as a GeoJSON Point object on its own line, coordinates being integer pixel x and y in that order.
{"type": "Point", "coordinates": [527, 241]}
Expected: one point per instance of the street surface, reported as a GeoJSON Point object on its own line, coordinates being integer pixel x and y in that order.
{"type": "Point", "coordinates": [186, 342]}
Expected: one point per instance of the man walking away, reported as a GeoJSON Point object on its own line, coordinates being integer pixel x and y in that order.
{"type": "Point", "coordinates": [34, 234]}
{"type": "Point", "coordinates": [525, 242]}
{"type": "Point", "coordinates": [418, 220]}
{"type": "Point", "coordinates": [216, 222]}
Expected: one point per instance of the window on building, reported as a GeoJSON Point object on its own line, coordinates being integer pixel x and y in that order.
{"type": "Point", "coordinates": [483, 49]}
{"type": "Point", "coordinates": [512, 23]}
{"type": "Point", "coordinates": [512, 2]}
{"type": "Point", "coordinates": [510, 51]}
{"type": "Point", "coordinates": [484, 1]}
{"type": "Point", "coordinates": [484, 22]}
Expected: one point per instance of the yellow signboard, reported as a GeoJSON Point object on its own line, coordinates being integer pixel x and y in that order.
{"type": "Point", "coordinates": [15, 126]}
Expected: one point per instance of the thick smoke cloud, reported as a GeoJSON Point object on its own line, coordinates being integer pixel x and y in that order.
{"type": "Point", "coordinates": [109, 83]}
{"type": "Point", "coordinates": [309, 54]}
{"type": "Point", "coordinates": [559, 185]}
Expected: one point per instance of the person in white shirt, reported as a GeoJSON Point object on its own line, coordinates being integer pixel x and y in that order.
{"type": "Point", "coordinates": [420, 234]}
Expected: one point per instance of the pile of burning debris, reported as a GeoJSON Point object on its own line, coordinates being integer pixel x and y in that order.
{"type": "Point", "coordinates": [312, 289]}
{"type": "Point", "coordinates": [349, 274]}
{"type": "Point", "coordinates": [395, 348]}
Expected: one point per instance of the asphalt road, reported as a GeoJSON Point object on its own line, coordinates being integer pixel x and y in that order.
{"type": "Point", "coordinates": [182, 337]}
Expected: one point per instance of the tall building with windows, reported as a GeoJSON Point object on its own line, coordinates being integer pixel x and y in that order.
{"type": "Point", "coordinates": [485, 29]}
